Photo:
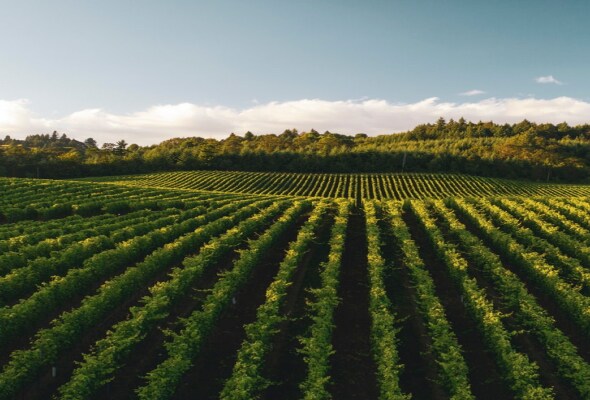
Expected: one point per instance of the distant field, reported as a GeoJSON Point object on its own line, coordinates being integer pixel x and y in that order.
{"type": "Point", "coordinates": [128, 288]}
{"type": "Point", "coordinates": [366, 186]}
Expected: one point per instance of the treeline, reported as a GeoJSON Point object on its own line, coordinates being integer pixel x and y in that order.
{"type": "Point", "coordinates": [524, 150]}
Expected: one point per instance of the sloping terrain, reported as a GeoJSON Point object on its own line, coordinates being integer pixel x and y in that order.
{"type": "Point", "coordinates": [121, 291]}
{"type": "Point", "coordinates": [367, 186]}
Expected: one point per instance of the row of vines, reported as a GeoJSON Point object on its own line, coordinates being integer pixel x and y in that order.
{"type": "Point", "coordinates": [238, 297]}
{"type": "Point", "coordinates": [398, 186]}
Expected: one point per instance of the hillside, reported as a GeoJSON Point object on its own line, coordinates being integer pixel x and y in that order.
{"type": "Point", "coordinates": [355, 186]}
{"type": "Point", "coordinates": [535, 152]}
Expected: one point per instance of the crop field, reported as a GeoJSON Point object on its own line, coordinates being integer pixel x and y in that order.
{"type": "Point", "coordinates": [207, 285]}
{"type": "Point", "coordinates": [395, 186]}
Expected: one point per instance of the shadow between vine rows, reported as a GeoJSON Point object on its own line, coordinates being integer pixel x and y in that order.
{"type": "Point", "coordinates": [522, 340]}
{"type": "Point", "coordinates": [484, 376]}
{"type": "Point", "coordinates": [562, 322]}
{"type": "Point", "coordinates": [353, 368]}
{"type": "Point", "coordinates": [45, 385]}
{"type": "Point", "coordinates": [419, 375]}
{"type": "Point", "coordinates": [284, 366]}
{"type": "Point", "coordinates": [215, 363]}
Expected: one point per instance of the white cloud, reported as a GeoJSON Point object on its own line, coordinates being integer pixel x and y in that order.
{"type": "Point", "coordinates": [15, 116]}
{"type": "Point", "coordinates": [473, 92]}
{"type": "Point", "coordinates": [548, 79]}
{"type": "Point", "coordinates": [371, 116]}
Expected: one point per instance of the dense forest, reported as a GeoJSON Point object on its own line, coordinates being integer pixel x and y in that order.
{"type": "Point", "coordinates": [524, 150]}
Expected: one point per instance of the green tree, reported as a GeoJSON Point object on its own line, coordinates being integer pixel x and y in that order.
{"type": "Point", "coordinates": [120, 147]}
{"type": "Point", "coordinates": [91, 143]}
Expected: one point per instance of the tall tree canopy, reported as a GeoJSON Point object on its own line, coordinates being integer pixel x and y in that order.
{"type": "Point", "coordinates": [523, 150]}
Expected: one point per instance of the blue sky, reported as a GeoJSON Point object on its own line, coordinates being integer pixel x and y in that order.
{"type": "Point", "coordinates": [113, 66]}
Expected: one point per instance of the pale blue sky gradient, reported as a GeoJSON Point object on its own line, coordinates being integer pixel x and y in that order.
{"type": "Point", "coordinates": [125, 56]}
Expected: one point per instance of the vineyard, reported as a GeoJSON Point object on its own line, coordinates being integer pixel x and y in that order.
{"type": "Point", "coordinates": [397, 186]}
{"type": "Point", "coordinates": [288, 286]}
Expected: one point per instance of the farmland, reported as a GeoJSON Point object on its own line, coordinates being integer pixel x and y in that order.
{"type": "Point", "coordinates": [395, 186]}
{"type": "Point", "coordinates": [241, 285]}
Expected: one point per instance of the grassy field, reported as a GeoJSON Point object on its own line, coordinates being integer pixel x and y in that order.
{"type": "Point", "coordinates": [250, 285]}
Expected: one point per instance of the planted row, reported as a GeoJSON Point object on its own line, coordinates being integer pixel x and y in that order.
{"type": "Point", "coordinates": [184, 346]}
{"type": "Point", "coordinates": [530, 263]}
{"type": "Point", "coordinates": [317, 346]}
{"type": "Point", "coordinates": [24, 365]}
{"type": "Point", "coordinates": [396, 186]}
{"type": "Point", "coordinates": [109, 353]}
{"type": "Point", "coordinates": [21, 281]}
{"type": "Point", "coordinates": [247, 380]}
{"type": "Point", "coordinates": [521, 373]}
{"type": "Point", "coordinates": [453, 371]}
{"type": "Point", "coordinates": [569, 245]}
{"type": "Point", "coordinates": [55, 294]}
{"type": "Point", "coordinates": [383, 320]}
{"type": "Point", "coordinates": [569, 268]}
{"type": "Point", "coordinates": [526, 308]}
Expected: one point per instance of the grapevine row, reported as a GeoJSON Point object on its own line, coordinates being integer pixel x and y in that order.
{"type": "Point", "coordinates": [396, 186]}
{"type": "Point", "coordinates": [317, 346]}
{"type": "Point", "coordinates": [247, 381]}
{"type": "Point", "coordinates": [531, 264]}
{"type": "Point", "coordinates": [518, 369]}
{"type": "Point", "coordinates": [453, 369]}
{"type": "Point", "coordinates": [527, 311]}
{"type": "Point", "coordinates": [185, 345]}
{"type": "Point", "coordinates": [383, 320]}
{"type": "Point", "coordinates": [24, 365]}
